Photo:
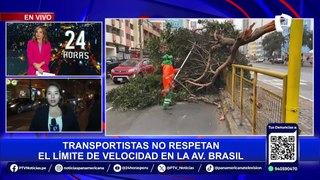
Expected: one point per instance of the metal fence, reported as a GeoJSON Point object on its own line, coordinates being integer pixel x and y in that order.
{"type": "Point", "coordinates": [256, 103]}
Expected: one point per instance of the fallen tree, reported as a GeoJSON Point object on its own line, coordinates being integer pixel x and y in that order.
{"type": "Point", "coordinates": [216, 47]}
{"type": "Point", "coordinates": [212, 67]}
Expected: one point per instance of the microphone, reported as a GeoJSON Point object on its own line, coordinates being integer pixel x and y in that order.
{"type": "Point", "coordinates": [53, 121]}
{"type": "Point", "coordinates": [54, 126]}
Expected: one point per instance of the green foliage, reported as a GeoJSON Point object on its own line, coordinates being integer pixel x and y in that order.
{"type": "Point", "coordinates": [140, 93]}
{"type": "Point", "coordinates": [273, 42]}
{"type": "Point", "coordinates": [307, 38]}
{"type": "Point", "coordinates": [226, 28]}
{"type": "Point", "coordinates": [153, 47]}
{"type": "Point", "coordinates": [146, 91]}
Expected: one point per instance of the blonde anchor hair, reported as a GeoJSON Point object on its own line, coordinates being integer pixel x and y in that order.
{"type": "Point", "coordinates": [45, 34]}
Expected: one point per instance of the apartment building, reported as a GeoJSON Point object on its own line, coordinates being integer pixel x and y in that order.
{"type": "Point", "coordinates": [124, 35]}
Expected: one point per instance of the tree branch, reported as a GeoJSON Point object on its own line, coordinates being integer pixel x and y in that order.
{"type": "Point", "coordinates": [200, 86]}
{"type": "Point", "coordinates": [193, 43]}
{"type": "Point", "coordinates": [245, 38]}
{"type": "Point", "coordinates": [205, 71]}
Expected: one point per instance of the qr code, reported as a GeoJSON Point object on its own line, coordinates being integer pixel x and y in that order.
{"type": "Point", "coordinates": [282, 147]}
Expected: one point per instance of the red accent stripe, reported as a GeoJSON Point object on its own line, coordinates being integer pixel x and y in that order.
{"type": "Point", "coordinates": [290, 8]}
{"type": "Point", "coordinates": [238, 7]}
{"type": "Point", "coordinates": [103, 126]}
{"type": "Point", "coordinates": [144, 17]}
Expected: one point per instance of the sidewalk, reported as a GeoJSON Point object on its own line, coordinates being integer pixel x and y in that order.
{"type": "Point", "coordinates": [237, 127]}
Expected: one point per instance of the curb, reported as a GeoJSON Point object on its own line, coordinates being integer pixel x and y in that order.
{"type": "Point", "coordinates": [232, 123]}
{"type": "Point", "coordinates": [227, 115]}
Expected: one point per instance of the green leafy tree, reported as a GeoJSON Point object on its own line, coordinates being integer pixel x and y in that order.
{"type": "Point", "coordinates": [273, 42]}
{"type": "Point", "coordinates": [308, 38]}
{"type": "Point", "coordinates": [153, 47]}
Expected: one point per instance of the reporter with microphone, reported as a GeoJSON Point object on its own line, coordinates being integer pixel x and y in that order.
{"type": "Point", "coordinates": [54, 116]}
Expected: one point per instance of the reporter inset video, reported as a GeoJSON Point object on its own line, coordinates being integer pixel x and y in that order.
{"type": "Point", "coordinates": [53, 105]}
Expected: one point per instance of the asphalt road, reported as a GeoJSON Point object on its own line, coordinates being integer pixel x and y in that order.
{"type": "Point", "coordinates": [110, 85]}
{"type": "Point", "coordinates": [182, 119]}
{"type": "Point", "coordinates": [306, 78]}
{"type": "Point", "coordinates": [19, 122]}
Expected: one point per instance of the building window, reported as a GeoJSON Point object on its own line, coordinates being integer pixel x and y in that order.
{"type": "Point", "coordinates": [109, 28]}
{"type": "Point", "coordinates": [131, 26]}
{"type": "Point", "coordinates": [115, 31]}
{"type": "Point", "coordinates": [132, 38]}
{"type": "Point", "coordinates": [128, 36]}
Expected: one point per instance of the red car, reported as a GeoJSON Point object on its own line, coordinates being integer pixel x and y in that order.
{"type": "Point", "coordinates": [130, 69]}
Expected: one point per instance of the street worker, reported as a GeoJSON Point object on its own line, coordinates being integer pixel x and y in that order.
{"type": "Point", "coordinates": [168, 73]}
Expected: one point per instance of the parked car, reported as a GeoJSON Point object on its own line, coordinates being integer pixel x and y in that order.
{"type": "Point", "coordinates": [111, 63]}
{"type": "Point", "coordinates": [276, 60]}
{"type": "Point", "coordinates": [130, 69]}
{"type": "Point", "coordinates": [260, 60]}
{"type": "Point", "coordinates": [20, 105]}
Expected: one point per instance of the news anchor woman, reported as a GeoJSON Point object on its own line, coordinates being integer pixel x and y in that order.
{"type": "Point", "coordinates": [38, 52]}
{"type": "Point", "coordinates": [54, 116]}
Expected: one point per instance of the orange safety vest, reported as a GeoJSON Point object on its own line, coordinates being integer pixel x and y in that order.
{"type": "Point", "coordinates": [167, 75]}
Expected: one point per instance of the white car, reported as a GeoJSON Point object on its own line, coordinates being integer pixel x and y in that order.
{"type": "Point", "coordinates": [259, 60]}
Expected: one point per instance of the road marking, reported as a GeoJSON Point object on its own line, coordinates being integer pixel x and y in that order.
{"type": "Point", "coordinates": [278, 82]}
{"type": "Point", "coordinates": [306, 98]}
{"type": "Point", "coordinates": [276, 85]}
{"type": "Point", "coordinates": [109, 109]}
